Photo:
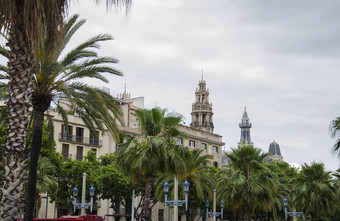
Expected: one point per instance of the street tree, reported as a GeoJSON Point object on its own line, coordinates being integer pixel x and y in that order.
{"type": "Point", "coordinates": [335, 133]}
{"type": "Point", "coordinates": [26, 23]}
{"type": "Point", "coordinates": [247, 184]}
{"type": "Point", "coordinates": [59, 77]}
{"type": "Point", "coordinates": [314, 191]}
{"type": "Point", "coordinates": [152, 152]}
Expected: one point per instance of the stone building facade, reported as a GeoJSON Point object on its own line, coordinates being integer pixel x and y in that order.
{"type": "Point", "coordinates": [75, 141]}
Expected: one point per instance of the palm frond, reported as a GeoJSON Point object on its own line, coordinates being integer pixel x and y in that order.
{"type": "Point", "coordinates": [75, 54]}
{"type": "Point", "coordinates": [4, 52]}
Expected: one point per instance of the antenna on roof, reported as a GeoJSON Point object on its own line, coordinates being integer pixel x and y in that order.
{"type": "Point", "coordinates": [125, 85]}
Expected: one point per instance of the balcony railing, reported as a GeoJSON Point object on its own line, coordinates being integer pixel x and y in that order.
{"type": "Point", "coordinates": [81, 140]}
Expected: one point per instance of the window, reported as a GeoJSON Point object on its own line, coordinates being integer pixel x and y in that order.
{"type": "Point", "coordinates": [215, 164]}
{"type": "Point", "coordinates": [215, 150]}
{"type": "Point", "coordinates": [94, 138]}
{"type": "Point", "coordinates": [80, 153]}
{"type": "Point", "coordinates": [179, 141]}
{"type": "Point", "coordinates": [66, 132]}
{"type": "Point", "coordinates": [79, 134]}
{"type": "Point", "coordinates": [204, 119]}
{"type": "Point", "coordinates": [204, 146]}
{"type": "Point", "coordinates": [64, 151]}
{"type": "Point", "coordinates": [192, 143]}
{"type": "Point", "coordinates": [160, 215]}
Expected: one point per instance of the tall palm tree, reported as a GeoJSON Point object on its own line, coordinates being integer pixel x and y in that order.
{"type": "Point", "coordinates": [335, 133]}
{"type": "Point", "coordinates": [56, 78]}
{"type": "Point", "coordinates": [314, 192]}
{"type": "Point", "coordinates": [151, 153]}
{"type": "Point", "coordinates": [25, 23]}
{"type": "Point", "coordinates": [247, 184]}
{"type": "Point", "coordinates": [197, 174]}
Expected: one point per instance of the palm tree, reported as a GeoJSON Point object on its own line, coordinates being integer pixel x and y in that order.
{"type": "Point", "coordinates": [197, 174]}
{"type": "Point", "coordinates": [57, 78]}
{"type": "Point", "coordinates": [25, 22]}
{"type": "Point", "coordinates": [247, 184]}
{"type": "Point", "coordinates": [153, 153]}
{"type": "Point", "coordinates": [335, 133]}
{"type": "Point", "coordinates": [314, 192]}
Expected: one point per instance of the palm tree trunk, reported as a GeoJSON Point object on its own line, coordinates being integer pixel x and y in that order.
{"type": "Point", "coordinates": [20, 81]}
{"type": "Point", "coordinates": [34, 157]}
{"type": "Point", "coordinates": [246, 214]}
{"type": "Point", "coordinates": [146, 205]}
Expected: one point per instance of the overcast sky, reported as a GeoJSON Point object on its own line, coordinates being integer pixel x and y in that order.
{"type": "Point", "coordinates": [280, 59]}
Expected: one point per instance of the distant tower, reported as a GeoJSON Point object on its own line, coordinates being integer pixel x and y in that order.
{"type": "Point", "coordinates": [274, 152]}
{"type": "Point", "coordinates": [202, 115]}
{"type": "Point", "coordinates": [245, 126]}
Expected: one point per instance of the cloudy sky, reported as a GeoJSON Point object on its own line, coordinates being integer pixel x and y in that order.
{"type": "Point", "coordinates": [280, 59]}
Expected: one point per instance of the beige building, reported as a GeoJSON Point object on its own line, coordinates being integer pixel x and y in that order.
{"type": "Point", "coordinates": [75, 141]}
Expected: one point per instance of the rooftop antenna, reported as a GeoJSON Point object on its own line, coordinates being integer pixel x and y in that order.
{"type": "Point", "coordinates": [125, 85]}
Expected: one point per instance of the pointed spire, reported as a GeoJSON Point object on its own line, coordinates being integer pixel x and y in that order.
{"type": "Point", "coordinates": [202, 75]}
{"type": "Point", "coordinates": [245, 115]}
{"type": "Point", "coordinates": [245, 126]}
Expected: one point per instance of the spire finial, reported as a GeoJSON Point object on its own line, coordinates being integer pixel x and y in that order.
{"type": "Point", "coordinates": [202, 75]}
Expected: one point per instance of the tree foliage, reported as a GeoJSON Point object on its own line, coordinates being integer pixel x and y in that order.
{"type": "Point", "coordinates": [154, 151]}
{"type": "Point", "coordinates": [314, 191]}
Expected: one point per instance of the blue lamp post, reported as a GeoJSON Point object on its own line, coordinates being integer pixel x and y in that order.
{"type": "Point", "coordinates": [297, 214]}
{"type": "Point", "coordinates": [172, 203]}
{"type": "Point", "coordinates": [82, 205]}
{"type": "Point", "coordinates": [215, 214]}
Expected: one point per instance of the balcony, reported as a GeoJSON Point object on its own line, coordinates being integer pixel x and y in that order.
{"type": "Point", "coordinates": [80, 140]}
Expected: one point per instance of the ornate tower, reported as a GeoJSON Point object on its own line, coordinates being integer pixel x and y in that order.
{"type": "Point", "coordinates": [245, 126]}
{"type": "Point", "coordinates": [202, 115]}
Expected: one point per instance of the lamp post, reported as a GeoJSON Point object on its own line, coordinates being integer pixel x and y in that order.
{"type": "Point", "coordinates": [176, 202]}
{"type": "Point", "coordinates": [297, 214]}
{"type": "Point", "coordinates": [214, 214]}
{"type": "Point", "coordinates": [82, 205]}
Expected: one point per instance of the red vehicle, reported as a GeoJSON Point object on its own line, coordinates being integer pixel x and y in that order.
{"type": "Point", "coordinates": [72, 218]}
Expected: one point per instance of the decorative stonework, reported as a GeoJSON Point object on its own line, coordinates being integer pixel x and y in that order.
{"type": "Point", "coordinates": [202, 115]}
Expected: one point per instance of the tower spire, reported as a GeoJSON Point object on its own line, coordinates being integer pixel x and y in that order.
{"type": "Point", "coordinates": [202, 115]}
{"type": "Point", "coordinates": [245, 126]}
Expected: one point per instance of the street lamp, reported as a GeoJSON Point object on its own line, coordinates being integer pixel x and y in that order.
{"type": "Point", "coordinates": [297, 214]}
{"type": "Point", "coordinates": [214, 213]}
{"type": "Point", "coordinates": [82, 205]}
{"type": "Point", "coordinates": [172, 203]}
